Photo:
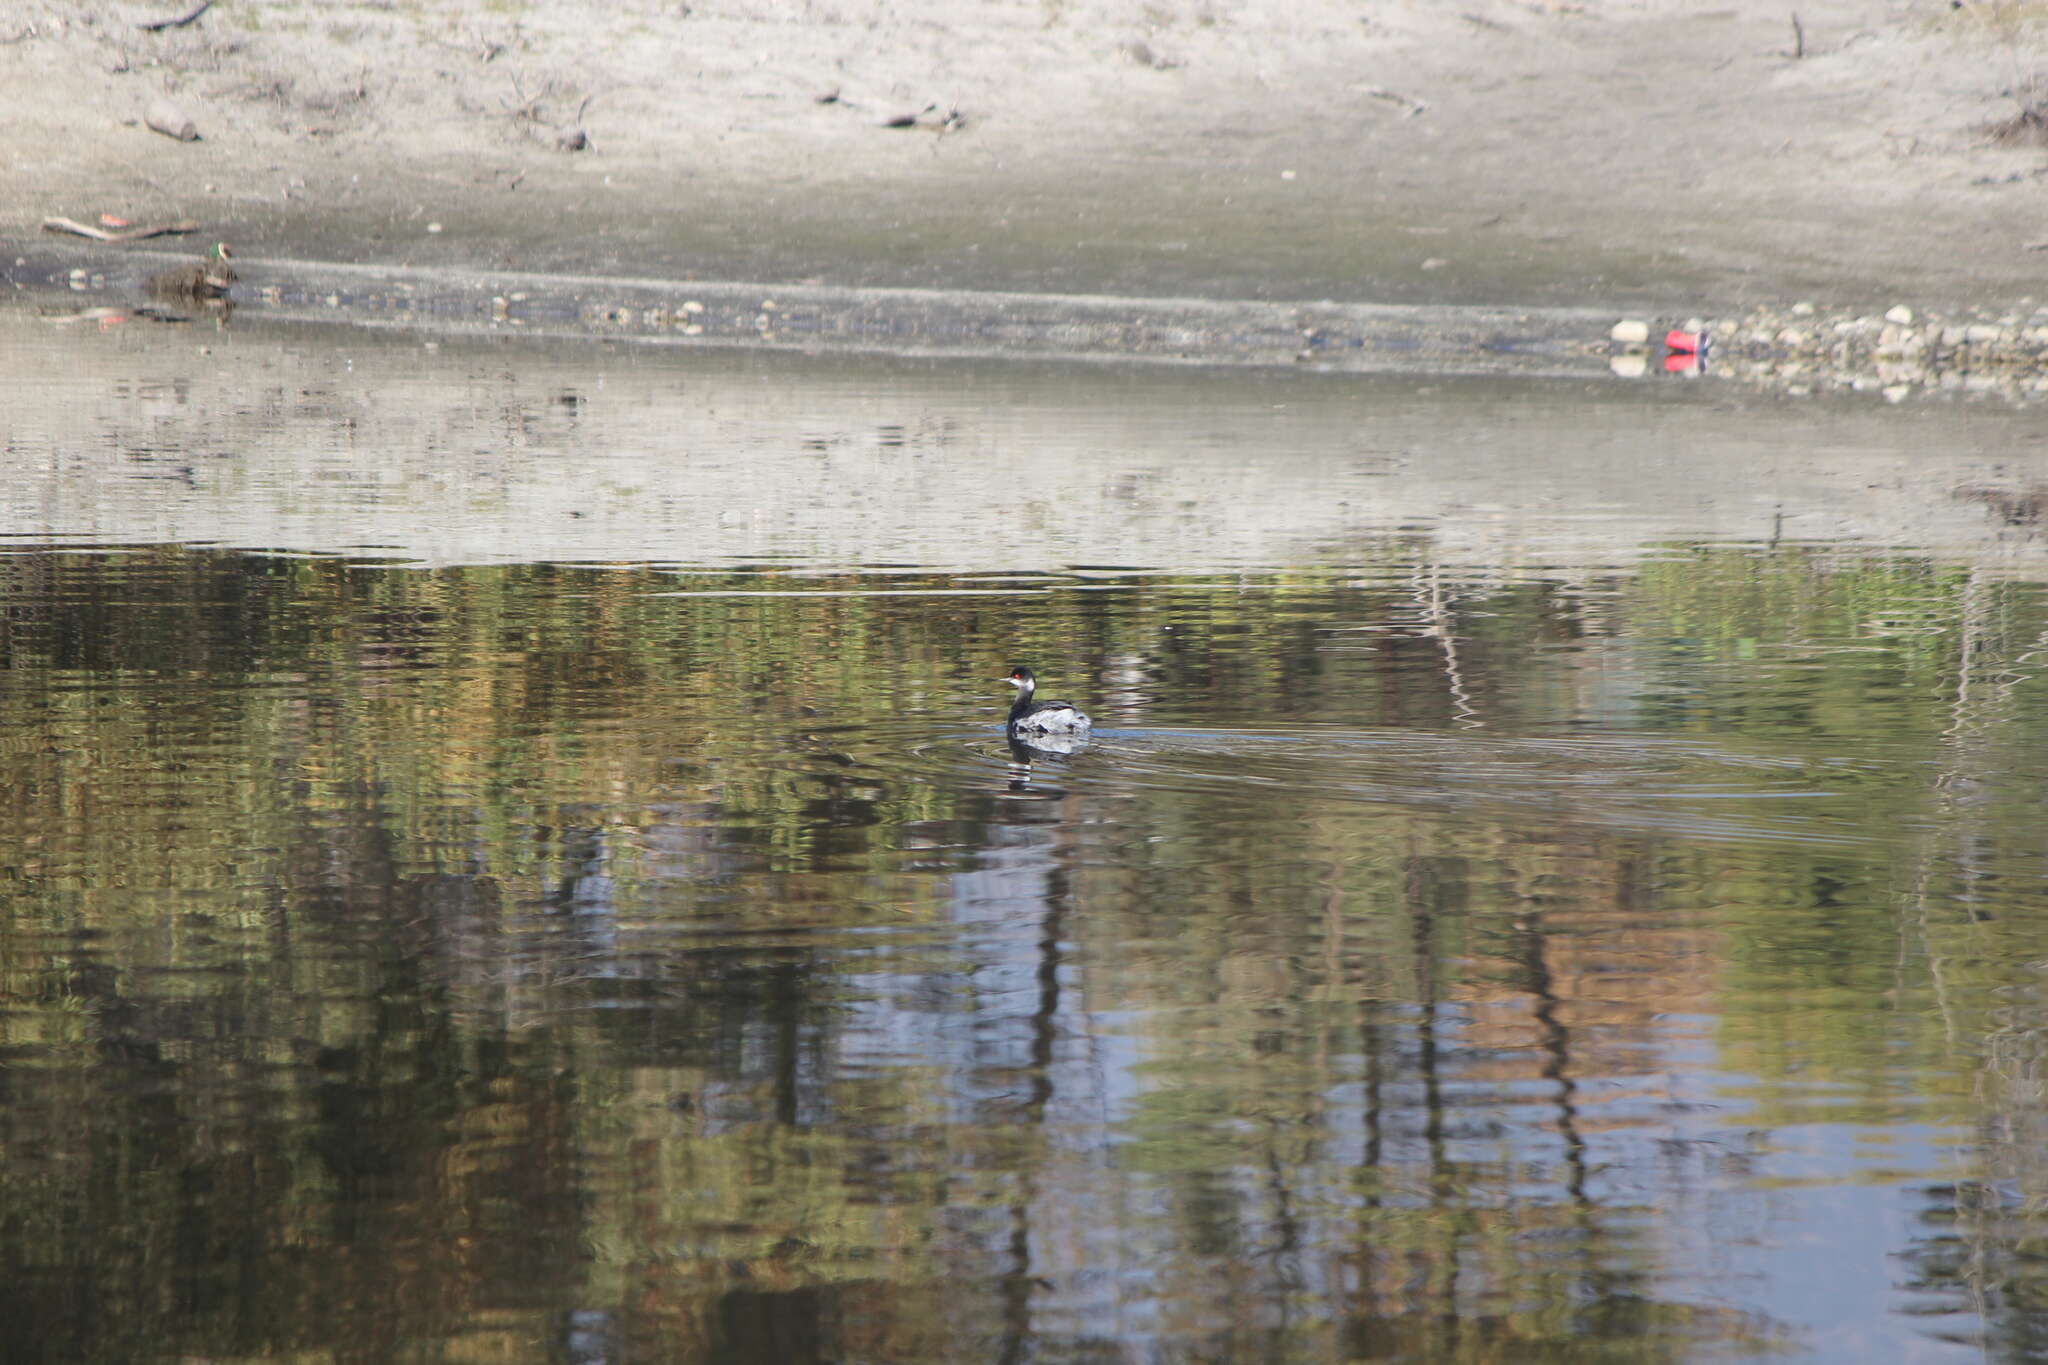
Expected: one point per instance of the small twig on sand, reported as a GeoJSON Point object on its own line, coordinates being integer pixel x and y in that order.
{"type": "Point", "coordinates": [529, 114]}
{"type": "Point", "coordinates": [1798, 39]}
{"type": "Point", "coordinates": [930, 119]}
{"type": "Point", "coordinates": [131, 235]}
{"type": "Point", "coordinates": [1380, 92]}
{"type": "Point", "coordinates": [486, 49]}
{"type": "Point", "coordinates": [202, 7]}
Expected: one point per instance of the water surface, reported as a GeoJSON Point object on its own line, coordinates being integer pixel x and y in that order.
{"type": "Point", "coordinates": [509, 852]}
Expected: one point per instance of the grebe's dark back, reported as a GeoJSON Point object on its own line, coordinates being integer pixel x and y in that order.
{"type": "Point", "coordinates": [1028, 717]}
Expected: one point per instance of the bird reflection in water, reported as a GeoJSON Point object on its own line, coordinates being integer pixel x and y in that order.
{"type": "Point", "coordinates": [1040, 748]}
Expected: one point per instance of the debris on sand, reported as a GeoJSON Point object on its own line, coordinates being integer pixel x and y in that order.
{"type": "Point", "coordinates": [167, 118]}
{"type": "Point", "coordinates": [2027, 128]}
{"type": "Point", "coordinates": [180, 20]}
{"type": "Point", "coordinates": [134, 234]}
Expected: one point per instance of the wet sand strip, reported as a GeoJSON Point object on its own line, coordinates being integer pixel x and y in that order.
{"type": "Point", "coordinates": [1346, 337]}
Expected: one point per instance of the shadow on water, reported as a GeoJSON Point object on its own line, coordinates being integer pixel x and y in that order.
{"type": "Point", "coordinates": [511, 851]}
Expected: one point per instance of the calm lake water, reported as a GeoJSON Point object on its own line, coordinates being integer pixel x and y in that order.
{"type": "Point", "coordinates": [509, 854]}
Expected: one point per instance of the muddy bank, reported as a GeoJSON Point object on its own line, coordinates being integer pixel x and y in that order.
{"type": "Point", "coordinates": [88, 285]}
{"type": "Point", "coordinates": [1647, 156]}
{"type": "Point", "coordinates": [1899, 353]}
{"type": "Point", "coordinates": [1797, 350]}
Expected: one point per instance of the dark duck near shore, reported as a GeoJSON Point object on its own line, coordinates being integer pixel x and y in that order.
{"type": "Point", "coordinates": [207, 279]}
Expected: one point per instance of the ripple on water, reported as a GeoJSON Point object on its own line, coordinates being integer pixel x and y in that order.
{"type": "Point", "coordinates": [1678, 787]}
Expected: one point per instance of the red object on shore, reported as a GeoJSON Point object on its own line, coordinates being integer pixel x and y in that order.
{"type": "Point", "coordinates": [1690, 343]}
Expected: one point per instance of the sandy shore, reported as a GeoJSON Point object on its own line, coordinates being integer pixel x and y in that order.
{"type": "Point", "coordinates": [1640, 154]}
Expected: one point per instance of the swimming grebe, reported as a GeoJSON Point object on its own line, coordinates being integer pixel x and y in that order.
{"type": "Point", "coordinates": [1041, 718]}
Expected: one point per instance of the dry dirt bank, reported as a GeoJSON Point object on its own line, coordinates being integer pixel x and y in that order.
{"type": "Point", "coordinates": [1611, 153]}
